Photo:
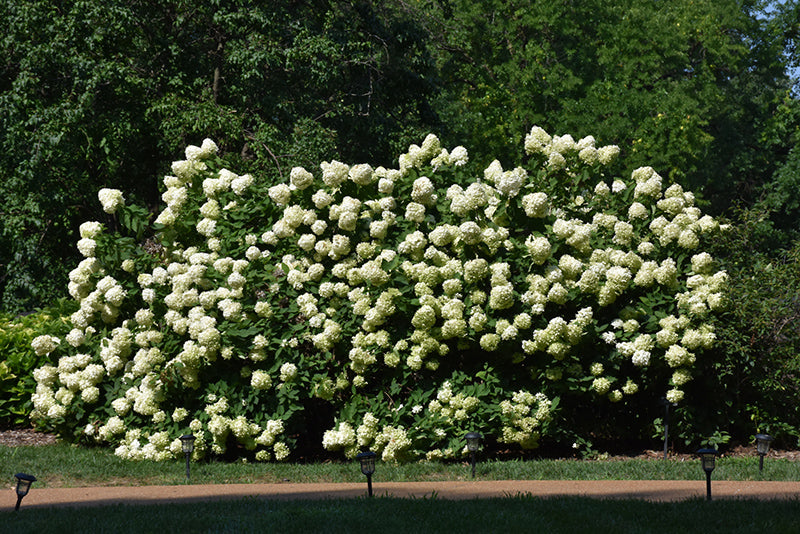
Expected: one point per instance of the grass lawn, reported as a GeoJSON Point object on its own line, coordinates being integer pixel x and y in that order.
{"type": "Point", "coordinates": [64, 465]}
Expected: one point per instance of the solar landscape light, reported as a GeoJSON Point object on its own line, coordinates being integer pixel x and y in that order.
{"type": "Point", "coordinates": [187, 445]}
{"type": "Point", "coordinates": [367, 460]}
{"type": "Point", "coordinates": [708, 458]}
{"type": "Point", "coordinates": [473, 444]}
{"type": "Point", "coordinates": [762, 447]}
{"type": "Point", "coordinates": [23, 487]}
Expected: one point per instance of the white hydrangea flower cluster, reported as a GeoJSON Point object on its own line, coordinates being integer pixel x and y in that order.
{"type": "Point", "coordinates": [523, 416]}
{"type": "Point", "coordinates": [111, 199]}
{"type": "Point", "coordinates": [45, 344]}
{"type": "Point", "coordinates": [341, 437]}
{"type": "Point", "coordinates": [391, 441]}
{"type": "Point", "coordinates": [452, 407]}
{"type": "Point", "coordinates": [557, 148]}
{"type": "Point", "coordinates": [360, 273]}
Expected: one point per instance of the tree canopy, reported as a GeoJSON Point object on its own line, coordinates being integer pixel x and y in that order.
{"type": "Point", "coordinates": [697, 89]}
{"type": "Point", "coordinates": [688, 86]}
{"type": "Point", "coordinates": [91, 88]}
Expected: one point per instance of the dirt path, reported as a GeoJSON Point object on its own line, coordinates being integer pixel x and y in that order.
{"type": "Point", "coordinates": [651, 490]}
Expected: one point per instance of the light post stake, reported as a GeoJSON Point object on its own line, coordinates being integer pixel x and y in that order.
{"type": "Point", "coordinates": [23, 487]}
{"type": "Point", "coordinates": [187, 445]}
{"type": "Point", "coordinates": [367, 460]}
{"type": "Point", "coordinates": [473, 443]}
{"type": "Point", "coordinates": [708, 459]}
{"type": "Point", "coordinates": [666, 405]}
{"type": "Point", "coordinates": [762, 446]}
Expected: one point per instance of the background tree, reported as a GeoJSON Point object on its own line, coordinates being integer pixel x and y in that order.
{"type": "Point", "coordinates": [688, 86]}
{"type": "Point", "coordinates": [89, 88]}
{"type": "Point", "coordinates": [754, 372]}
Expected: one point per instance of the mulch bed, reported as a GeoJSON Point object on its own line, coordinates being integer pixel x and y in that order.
{"type": "Point", "coordinates": [740, 451]}
{"type": "Point", "coordinates": [26, 436]}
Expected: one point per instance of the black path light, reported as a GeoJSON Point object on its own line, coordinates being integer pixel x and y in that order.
{"type": "Point", "coordinates": [23, 486]}
{"type": "Point", "coordinates": [708, 457]}
{"type": "Point", "coordinates": [187, 445]}
{"type": "Point", "coordinates": [367, 460]}
{"type": "Point", "coordinates": [473, 444]}
{"type": "Point", "coordinates": [762, 446]}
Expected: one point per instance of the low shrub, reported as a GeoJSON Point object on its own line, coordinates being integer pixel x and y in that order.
{"type": "Point", "coordinates": [19, 359]}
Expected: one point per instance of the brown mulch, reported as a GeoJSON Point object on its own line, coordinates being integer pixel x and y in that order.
{"type": "Point", "coordinates": [26, 436]}
{"type": "Point", "coordinates": [739, 451]}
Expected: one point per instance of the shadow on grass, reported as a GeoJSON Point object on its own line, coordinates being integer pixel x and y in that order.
{"type": "Point", "coordinates": [521, 513]}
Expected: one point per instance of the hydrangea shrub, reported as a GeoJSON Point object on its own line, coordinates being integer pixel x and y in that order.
{"type": "Point", "coordinates": [384, 309]}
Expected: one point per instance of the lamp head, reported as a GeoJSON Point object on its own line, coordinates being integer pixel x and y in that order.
{"type": "Point", "coordinates": [24, 483]}
{"type": "Point", "coordinates": [762, 443]}
{"type": "Point", "coordinates": [473, 441]}
{"type": "Point", "coordinates": [367, 460]}
{"type": "Point", "coordinates": [187, 443]}
{"type": "Point", "coordinates": [664, 402]}
{"type": "Point", "coordinates": [708, 458]}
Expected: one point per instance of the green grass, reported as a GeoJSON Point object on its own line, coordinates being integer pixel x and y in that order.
{"type": "Point", "coordinates": [68, 466]}
{"type": "Point", "coordinates": [386, 515]}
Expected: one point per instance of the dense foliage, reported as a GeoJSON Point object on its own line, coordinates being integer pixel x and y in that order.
{"type": "Point", "coordinates": [753, 376]}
